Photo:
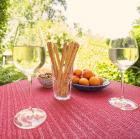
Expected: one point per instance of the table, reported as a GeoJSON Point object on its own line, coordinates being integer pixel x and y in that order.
{"type": "Point", "coordinates": [87, 115]}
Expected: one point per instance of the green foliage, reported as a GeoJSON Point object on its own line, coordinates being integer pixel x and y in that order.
{"type": "Point", "coordinates": [109, 71]}
{"type": "Point", "coordinates": [91, 52]}
{"type": "Point", "coordinates": [122, 42]}
{"type": "Point", "coordinates": [34, 10]}
{"type": "Point", "coordinates": [138, 20]}
{"type": "Point", "coordinates": [3, 17]}
{"type": "Point", "coordinates": [136, 30]}
{"type": "Point", "coordinates": [107, 41]}
{"type": "Point", "coordinates": [133, 76]}
{"type": "Point", "coordinates": [9, 74]}
{"type": "Point", "coordinates": [56, 32]}
{"type": "Point", "coordinates": [29, 12]}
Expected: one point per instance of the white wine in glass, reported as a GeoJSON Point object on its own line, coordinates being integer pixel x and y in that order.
{"type": "Point", "coordinates": [123, 53]}
{"type": "Point", "coordinates": [28, 56]}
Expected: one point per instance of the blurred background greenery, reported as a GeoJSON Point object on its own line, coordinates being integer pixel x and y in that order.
{"type": "Point", "coordinates": [93, 51]}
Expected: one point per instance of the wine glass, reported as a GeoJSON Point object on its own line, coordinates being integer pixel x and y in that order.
{"type": "Point", "coordinates": [28, 56]}
{"type": "Point", "coordinates": [123, 53]}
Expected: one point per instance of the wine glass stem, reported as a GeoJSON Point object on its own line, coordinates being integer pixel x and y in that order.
{"type": "Point", "coordinates": [122, 84]}
{"type": "Point", "coordinates": [30, 84]}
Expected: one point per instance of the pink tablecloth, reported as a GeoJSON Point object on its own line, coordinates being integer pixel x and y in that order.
{"type": "Point", "coordinates": [87, 115]}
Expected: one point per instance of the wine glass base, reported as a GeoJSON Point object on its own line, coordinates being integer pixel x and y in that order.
{"type": "Point", "coordinates": [29, 118]}
{"type": "Point", "coordinates": [123, 104]}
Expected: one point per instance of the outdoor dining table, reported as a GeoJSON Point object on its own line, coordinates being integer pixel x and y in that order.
{"type": "Point", "coordinates": [87, 115]}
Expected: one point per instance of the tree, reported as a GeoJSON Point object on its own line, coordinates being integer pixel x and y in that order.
{"type": "Point", "coordinates": [30, 11]}
{"type": "Point", "coordinates": [137, 22]}
{"type": "Point", "coordinates": [33, 10]}
{"type": "Point", "coordinates": [3, 17]}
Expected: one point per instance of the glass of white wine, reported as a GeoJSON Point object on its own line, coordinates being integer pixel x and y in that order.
{"type": "Point", "coordinates": [28, 56]}
{"type": "Point", "coordinates": [123, 53]}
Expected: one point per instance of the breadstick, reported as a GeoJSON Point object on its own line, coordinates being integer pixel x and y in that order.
{"type": "Point", "coordinates": [57, 55]}
{"type": "Point", "coordinates": [54, 65]}
{"type": "Point", "coordinates": [71, 56]}
{"type": "Point", "coordinates": [62, 67]}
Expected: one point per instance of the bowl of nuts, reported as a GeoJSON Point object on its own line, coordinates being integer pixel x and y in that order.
{"type": "Point", "coordinates": [45, 78]}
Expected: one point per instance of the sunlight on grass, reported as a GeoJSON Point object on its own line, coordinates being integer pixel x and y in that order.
{"type": "Point", "coordinates": [91, 54]}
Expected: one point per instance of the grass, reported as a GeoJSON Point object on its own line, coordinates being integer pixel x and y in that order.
{"type": "Point", "coordinates": [91, 54]}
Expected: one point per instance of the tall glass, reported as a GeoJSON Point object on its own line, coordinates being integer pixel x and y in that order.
{"type": "Point", "coordinates": [28, 56]}
{"type": "Point", "coordinates": [123, 53]}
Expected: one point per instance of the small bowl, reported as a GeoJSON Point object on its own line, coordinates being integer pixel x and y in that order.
{"type": "Point", "coordinates": [46, 80]}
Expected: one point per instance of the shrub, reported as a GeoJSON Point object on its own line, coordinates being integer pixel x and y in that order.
{"type": "Point", "coordinates": [9, 74]}
{"type": "Point", "coordinates": [109, 71]}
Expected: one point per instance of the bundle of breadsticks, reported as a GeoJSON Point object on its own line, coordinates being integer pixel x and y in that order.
{"type": "Point", "coordinates": [62, 65]}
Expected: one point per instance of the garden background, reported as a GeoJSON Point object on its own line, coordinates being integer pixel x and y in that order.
{"type": "Point", "coordinates": [50, 16]}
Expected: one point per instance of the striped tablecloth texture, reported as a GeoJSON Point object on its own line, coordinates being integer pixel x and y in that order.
{"type": "Point", "coordinates": [87, 115]}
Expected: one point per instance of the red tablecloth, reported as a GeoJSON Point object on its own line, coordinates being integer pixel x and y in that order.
{"type": "Point", "coordinates": [87, 115]}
